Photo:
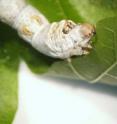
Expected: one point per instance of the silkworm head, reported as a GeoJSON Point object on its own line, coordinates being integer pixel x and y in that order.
{"type": "Point", "coordinates": [88, 30]}
{"type": "Point", "coordinates": [81, 35]}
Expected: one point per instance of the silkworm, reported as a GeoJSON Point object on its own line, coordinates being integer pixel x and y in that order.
{"type": "Point", "coordinates": [61, 39]}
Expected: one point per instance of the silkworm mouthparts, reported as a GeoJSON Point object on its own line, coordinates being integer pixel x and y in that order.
{"type": "Point", "coordinates": [88, 49]}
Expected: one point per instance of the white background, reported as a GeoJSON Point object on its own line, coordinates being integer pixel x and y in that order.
{"type": "Point", "coordinates": [60, 101]}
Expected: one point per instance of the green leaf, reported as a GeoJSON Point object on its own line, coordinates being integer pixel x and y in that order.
{"type": "Point", "coordinates": [8, 76]}
{"type": "Point", "coordinates": [78, 10]}
{"type": "Point", "coordinates": [12, 50]}
{"type": "Point", "coordinates": [101, 64]}
{"type": "Point", "coordinates": [56, 10]}
{"type": "Point", "coordinates": [95, 10]}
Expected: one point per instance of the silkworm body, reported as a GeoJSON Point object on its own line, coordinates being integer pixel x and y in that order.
{"type": "Point", "coordinates": [59, 39]}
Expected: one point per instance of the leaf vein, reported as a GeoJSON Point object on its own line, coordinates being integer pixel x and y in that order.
{"type": "Point", "coordinates": [105, 72]}
{"type": "Point", "coordinates": [112, 76]}
{"type": "Point", "coordinates": [75, 71]}
{"type": "Point", "coordinates": [115, 44]}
